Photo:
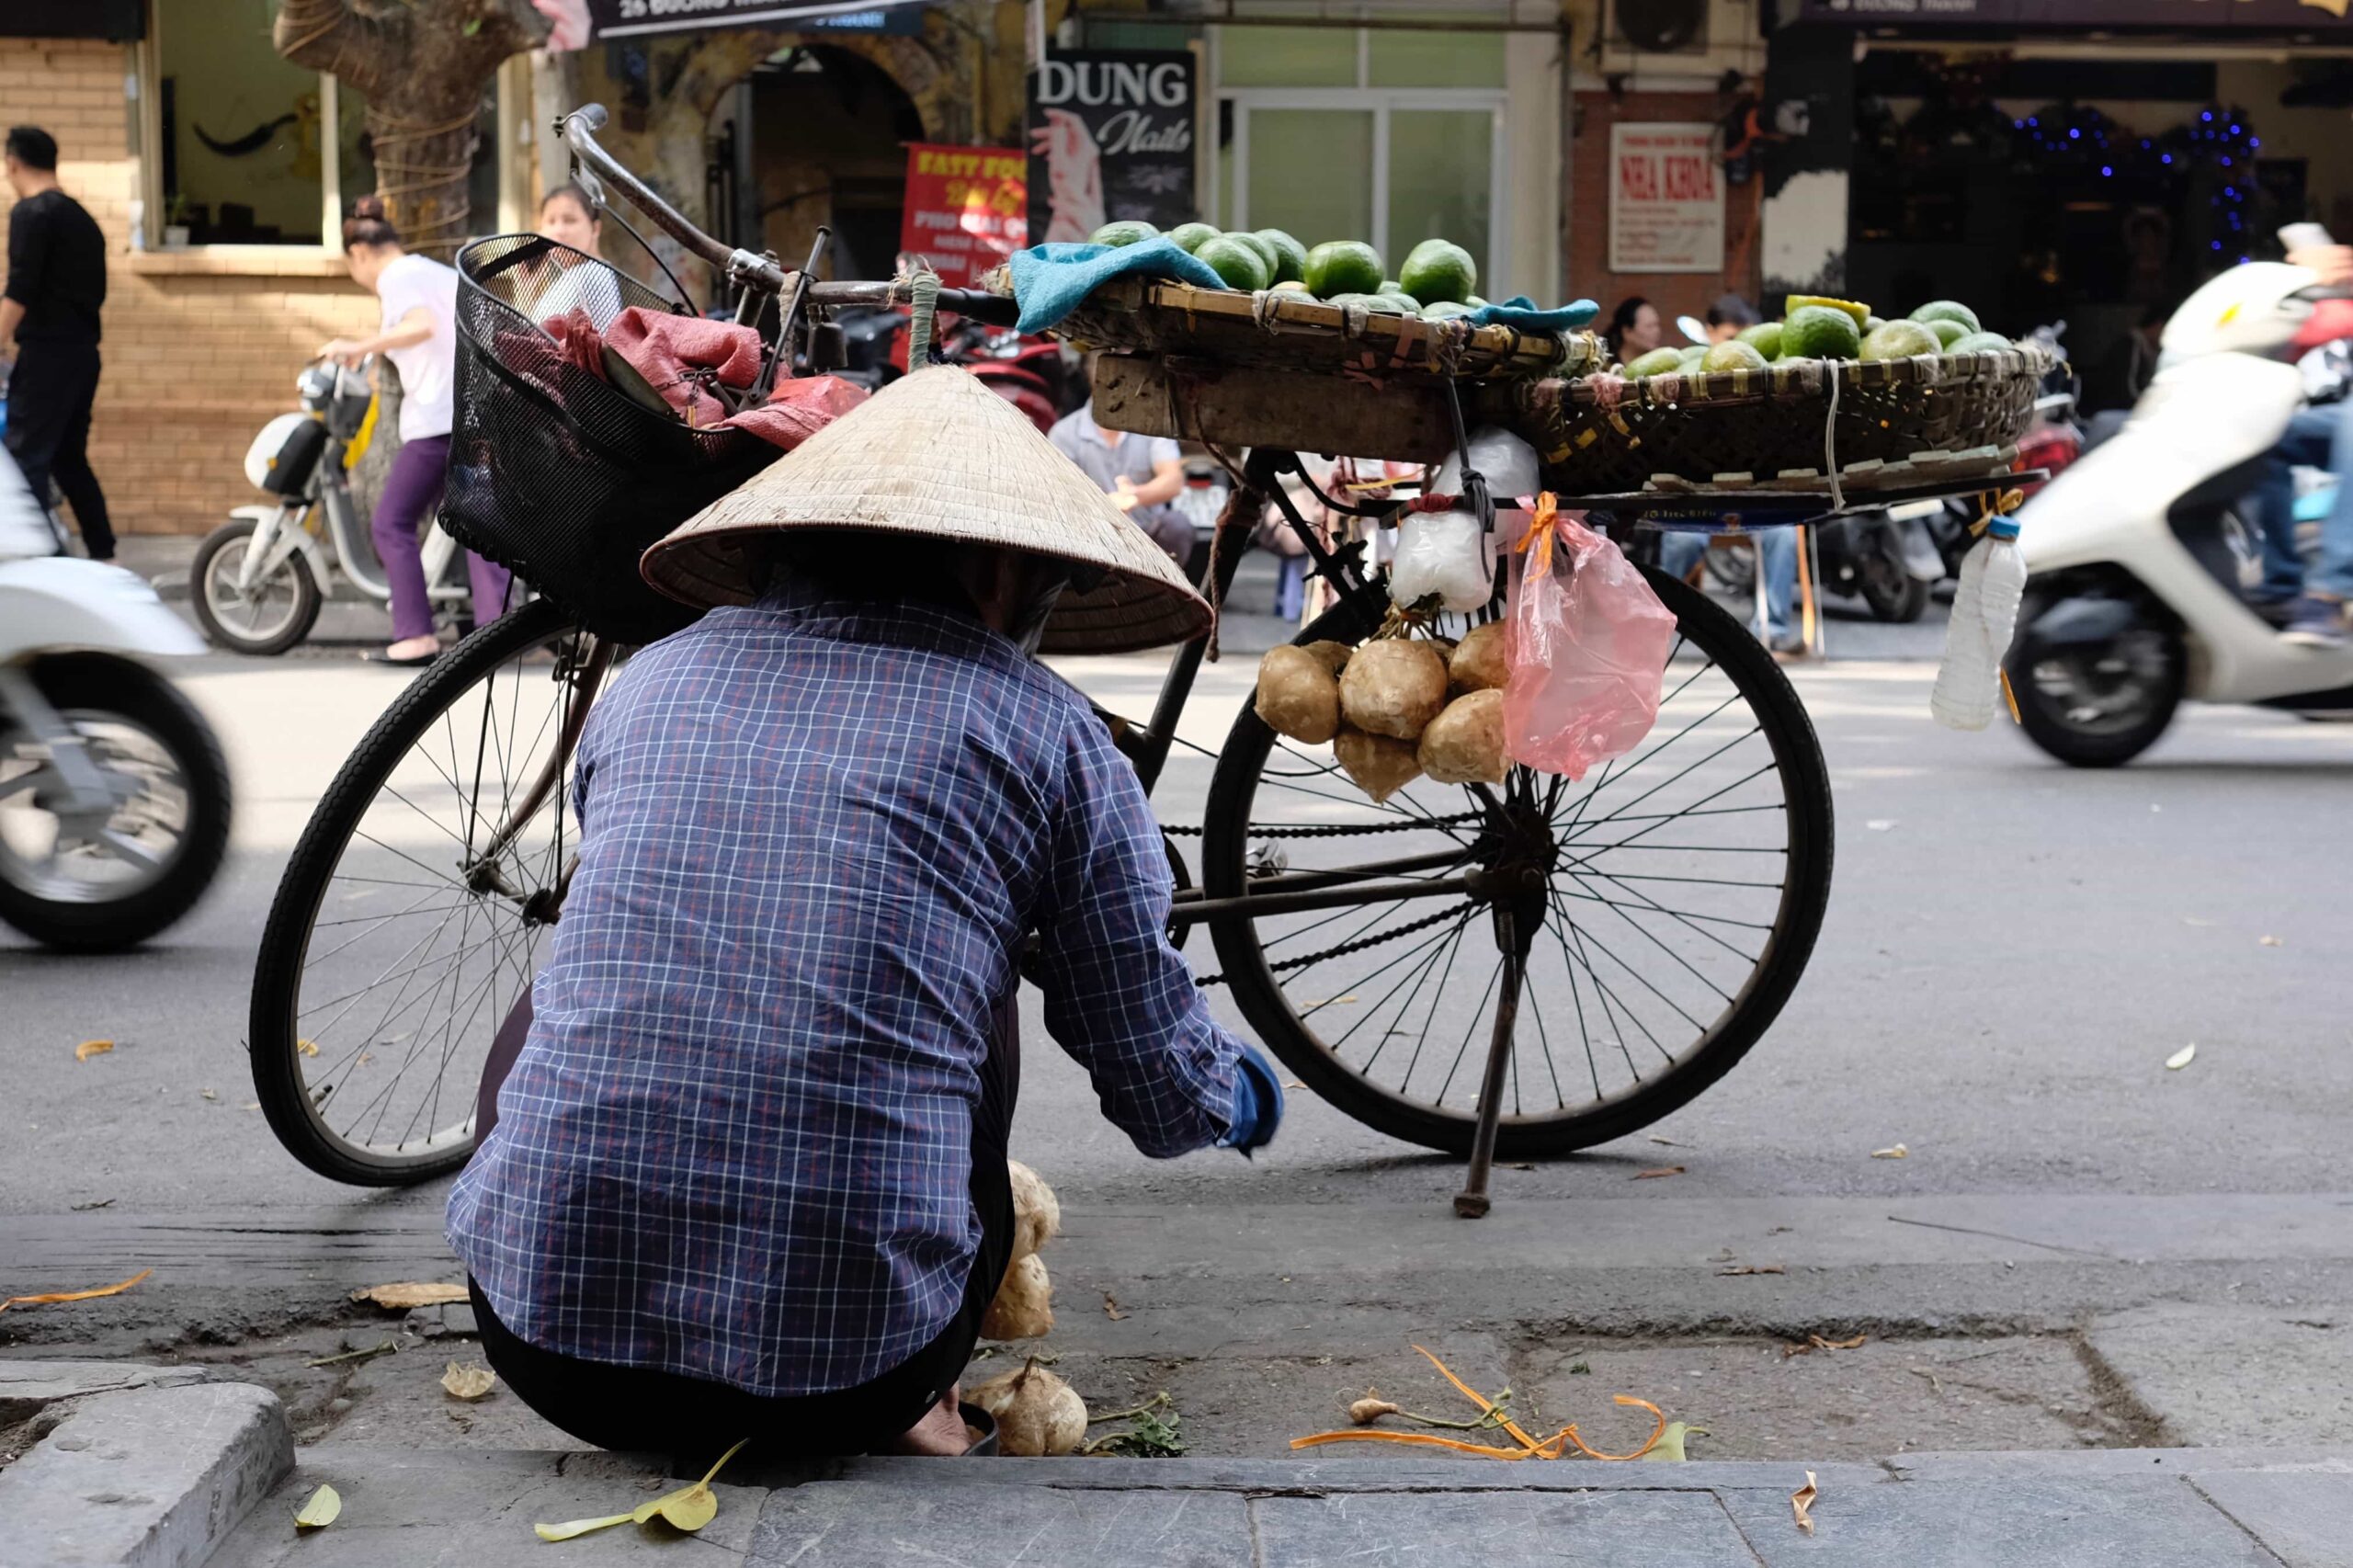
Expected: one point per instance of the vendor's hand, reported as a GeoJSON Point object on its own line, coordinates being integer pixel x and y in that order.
{"type": "Point", "coordinates": [1257, 1104]}
{"type": "Point", "coordinates": [2334, 263]}
{"type": "Point", "coordinates": [343, 351]}
{"type": "Point", "coordinates": [1125, 500]}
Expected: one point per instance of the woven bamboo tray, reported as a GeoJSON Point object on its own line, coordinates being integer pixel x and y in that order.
{"type": "Point", "coordinates": [1284, 330]}
{"type": "Point", "coordinates": [1873, 422]}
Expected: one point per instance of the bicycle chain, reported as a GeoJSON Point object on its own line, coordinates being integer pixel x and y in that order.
{"type": "Point", "coordinates": [1345, 949]}
{"type": "Point", "coordinates": [1329, 831]}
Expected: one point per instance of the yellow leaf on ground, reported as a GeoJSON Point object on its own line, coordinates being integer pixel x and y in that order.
{"type": "Point", "coordinates": [90, 1048]}
{"type": "Point", "coordinates": [320, 1512]}
{"type": "Point", "coordinates": [571, 1527]}
{"type": "Point", "coordinates": [1654, 1176]}
{"type": "Point", "coordinates": [1669, 1450]}
{"type": "Point", "coordinates": [307, 1046]}
{"type": "Point", "coordinates": [74, 1295]}
{"type": "Point", "coordinates": [411, 1293]}
{"type": "Point", "coordinates": [1893, 1152]}
{"type": "Point", "coordinates": [469, 1384]}
{"type": "Point", "coordinates": [1801, 1503]}
{"type": "Point", "coordinates": [2182, 1058]}
{"type": "Point", "coordinates": [689, 1507]}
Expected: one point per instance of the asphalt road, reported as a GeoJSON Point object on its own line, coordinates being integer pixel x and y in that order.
{"type": "Point", "coordinates": [2012, 952]}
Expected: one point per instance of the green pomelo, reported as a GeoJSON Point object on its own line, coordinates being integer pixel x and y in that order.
{"type": "Point", "coordinates": [1765, 337]}
{"type": "Point", "coordinates": [1948, 331]}
{"type": "Point", "coordinates": [1732, 355]}
{"type": "Point", "coordinates": [1657, 362]}
{"type": "Point", "coordinates": [1386, 305]}
{"type": "Point", "coordinates": [1980, 342]}
{"type": "Point", "coordinates": [1241, 264]}
{"type": "Point", "coordinates": [1126, 232]}
{"type": "Point", "coordinates": [1188, 236]}
{"type": "Point", "coordinates": [1948, 310]}
{"type": "Point", "coordinates": [1290, 257]}
{"type": "Point", "coordinates": [1900, 340]}
{"type": "Point", "coordinates": [1872, 324]}
{"type": "Point", "coordinates": [1439, 269]}
{"type": "Point", "coordinates": [1445, 309]}
{"type": "Point", "coordinates": [1342, 266]}
{"type": "Point", "coordinates": [1820, 331]}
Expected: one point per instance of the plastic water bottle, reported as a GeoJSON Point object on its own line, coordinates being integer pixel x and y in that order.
{"type": "Point", "coordinates": [1984, 615]}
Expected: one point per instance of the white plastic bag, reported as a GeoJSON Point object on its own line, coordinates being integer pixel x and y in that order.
{"type": "Point", "coordinates": [1443, 554]}
{"type": "Point", "coordinates": [1503, 460]}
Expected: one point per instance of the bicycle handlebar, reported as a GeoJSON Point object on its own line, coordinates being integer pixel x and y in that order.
{"type": "Point", "coordinates": [579, 129]}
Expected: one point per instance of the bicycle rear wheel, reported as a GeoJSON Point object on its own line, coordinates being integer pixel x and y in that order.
{"type": "Point", "coordinates": [412, 913]}
{"type": "Point", "coordinates": [1679, 890]}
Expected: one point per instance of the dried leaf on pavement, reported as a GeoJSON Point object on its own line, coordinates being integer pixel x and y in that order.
{"type": "Point", "coordinates": [95, 1203]}
{"type": "Point", "coordinates": [90, 1048]}
{"type": "Point", "coordinates": [2182, 1058]}
{"type": "Point", "coordinates": [689, 1508]}
{"type": "Point", "coordinates": [52, 1296]}
{"type": "Point", "coordinates": [469, 1384]}
{"type": "Point", "coordinates": [1111, 1307]}
{"type": "Point", "coordinates": [2271, 942]}
{"type": "Point", "coordinates": [1752, 1268]}
{"type": "Point", "coordinates": [1814, 1342]}
{"type": "Point", "coordinates": [1652, 1176]}
{"type": "Point", "coordinates": [1669, 1450]}
{"type": "Point", "coordinates": [411, 1293]}
{"type": "Point", "coordinates": [320, 1512]}
{"type": "Point", "coordinates": [1801, 1503]}
{"type": "Point", "coordinates": [1893, 1152]}
{"type": "Point", "coordinates": [307, 1046]}
{"type": "Point", "coordinates": [209, 1094]}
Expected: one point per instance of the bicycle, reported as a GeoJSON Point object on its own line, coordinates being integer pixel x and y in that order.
{"type": "Point", "coordinates": [1659, 914]}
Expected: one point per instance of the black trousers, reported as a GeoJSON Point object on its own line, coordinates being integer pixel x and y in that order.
{"type": "Point", "coordinates": [49, 432]}
{"type": "Point", "coordinates": [693, 1421]}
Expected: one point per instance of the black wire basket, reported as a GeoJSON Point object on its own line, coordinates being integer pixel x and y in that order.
{"type": "Point", "coordinates": [556, 472]}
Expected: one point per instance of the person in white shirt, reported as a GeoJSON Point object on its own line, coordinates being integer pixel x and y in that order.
{"type": "Point", "coordinates": [568, 217]}
{"type": "Point", "coordinates": [1141, 473]}
{"type": "Point", "coordinates": [419, 335]}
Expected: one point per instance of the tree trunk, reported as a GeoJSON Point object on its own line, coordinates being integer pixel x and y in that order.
{"type": "Point", "coordinates": [422, 65]}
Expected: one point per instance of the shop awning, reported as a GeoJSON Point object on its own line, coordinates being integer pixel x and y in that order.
{"type": "Point", "coordinates": [638, 18]}
{"type": "Point", "coordinates": [2078, 15]}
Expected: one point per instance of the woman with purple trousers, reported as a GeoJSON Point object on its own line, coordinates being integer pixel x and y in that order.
{"type": "Point", "coordinates": [419, 335]}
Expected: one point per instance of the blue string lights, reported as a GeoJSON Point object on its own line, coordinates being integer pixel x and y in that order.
{"type": "Point", "coordinates": [2220, 144]}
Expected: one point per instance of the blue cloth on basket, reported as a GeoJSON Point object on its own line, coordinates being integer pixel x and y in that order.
{"type": "Point", "coordinates": [1522, 312]}
{"type": "Point", "coordinates": [1050, 281]}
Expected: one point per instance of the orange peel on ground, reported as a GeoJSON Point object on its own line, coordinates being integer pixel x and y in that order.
{"type": "Point", "coordinates": [1550, 1447]}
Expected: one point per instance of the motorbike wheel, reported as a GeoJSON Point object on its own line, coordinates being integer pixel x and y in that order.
{"type": "Point", "coordinates": [1891, 590]}
{"type": "Point", "coordinates": [2099, 705]}
{"type": "Point", "coordinates": [274, 617]}
{"type": "Point", "coordinates": [95, 886]}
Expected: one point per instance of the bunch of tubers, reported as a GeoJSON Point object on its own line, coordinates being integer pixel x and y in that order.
{"type": "Point", "coordinates": [1036, 1413]}
{"type": "Point", "coordinates": [1396, 708]}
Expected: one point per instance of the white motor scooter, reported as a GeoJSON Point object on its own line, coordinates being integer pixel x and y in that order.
{"type": "Point", "coordinates": [114, 798]}
{"type": "Point", "coordinates": [2135, 551]}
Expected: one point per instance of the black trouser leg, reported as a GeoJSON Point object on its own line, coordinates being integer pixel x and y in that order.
{"type": "Point", "coordinates": [50, 396]}
{"type": "Point", "coordinates": [693, 1421]}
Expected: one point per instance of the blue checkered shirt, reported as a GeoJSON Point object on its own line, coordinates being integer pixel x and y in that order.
{"type": "Point", "coordinates": [736, 1144]}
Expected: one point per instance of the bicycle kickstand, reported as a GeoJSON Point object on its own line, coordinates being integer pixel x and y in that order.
{"type": "Point", "coordinates": [1516, 938]}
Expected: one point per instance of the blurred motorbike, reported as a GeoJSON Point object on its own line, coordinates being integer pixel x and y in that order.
{"type": "Point", "coordinates": [2135, 551]}
{"type": "Point", "coordinates": [114, 798]}
{"type": "Point", "coordinates": [2055, 439]}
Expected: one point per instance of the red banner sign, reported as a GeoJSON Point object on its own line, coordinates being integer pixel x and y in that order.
{"type": "Point", "coordinates": [968, 208]}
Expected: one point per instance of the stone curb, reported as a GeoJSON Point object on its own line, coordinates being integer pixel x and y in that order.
{"type": "Point", "coordinates": [144, 1477]}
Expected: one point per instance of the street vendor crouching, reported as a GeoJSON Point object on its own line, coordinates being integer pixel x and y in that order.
{"type": "Point", "coordinates": [747, 1172]}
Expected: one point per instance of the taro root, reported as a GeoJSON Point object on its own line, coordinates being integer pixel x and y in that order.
{"type": "Point", "coordinates": [1333, 653]}
{"type": "Point", "coordinates": [1024, 1307]}
{"type": "Point", "coordinates": [1297, 696]}
{"type": "Point", "coordinates": [1036, 1413]}
{"type": "Point", "coordinates": [1478, 662]}
{"type": "Point", "coordinates": [1037, 1216]}
{"type": "Point", "coordinates": [1393, 687]}
{"type": "Point", "coordinates": [1381, 765]}
{"type": "Point", "coordinates": [1465, 743]}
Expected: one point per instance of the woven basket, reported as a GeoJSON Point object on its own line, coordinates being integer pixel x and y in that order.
{"type": "Point", "coordinates": [1875, 423]}
{"type": "Point", "coordinates": [1284, 330]}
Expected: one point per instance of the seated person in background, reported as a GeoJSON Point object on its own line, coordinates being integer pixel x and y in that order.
{"type": "Point", "coordinates": [1776, 558]}
{"type": "Point", "coordinates": [1729, 317]}
{"type": "Point", "coordinates": [1141, 473]}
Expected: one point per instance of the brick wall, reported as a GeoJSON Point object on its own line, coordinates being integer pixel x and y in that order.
{"type": "Point", "coordinates": [1674, 293]}
{"type": "Point", "coordinates": [194, 363]}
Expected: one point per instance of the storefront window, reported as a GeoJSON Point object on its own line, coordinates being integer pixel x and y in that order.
{"type": "Point", "coordinates": [1440, 165]}
{"type": "Point", "coordinates": [1311, 171]}
{"type": "Point", "coordinates": [1398, 58]}
{"type": "Point", "coordinates": [241, 127]}
{"type": "Point", "coordinates": [1288, 57]}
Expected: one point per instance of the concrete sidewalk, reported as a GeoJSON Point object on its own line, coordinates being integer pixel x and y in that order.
{"type": "Point", "coordinates": [126, 1465]}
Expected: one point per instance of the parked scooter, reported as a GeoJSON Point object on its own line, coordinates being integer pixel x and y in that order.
{"type": "Point", "coordinates": [114, 798]}
{"type": "Point", "coordinates": [1885, 557]}
{"type": "Point", "coordinates": [2134, 601]}
{"type": "Point", "coordinates": [258, 580]}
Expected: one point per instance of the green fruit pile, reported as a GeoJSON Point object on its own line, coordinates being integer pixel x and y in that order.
{"type": "Point", "coordinates": [1818, 327]}
{"type": "Point", "coordinates": [1438, 282]}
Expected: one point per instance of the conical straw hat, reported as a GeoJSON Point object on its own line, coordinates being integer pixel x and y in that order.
{"type": "Point", "coordinates": [937, 454]}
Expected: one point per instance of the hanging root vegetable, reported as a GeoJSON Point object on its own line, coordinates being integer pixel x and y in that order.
{"type": "Point", "coordinates": [1478, 662]}
{"type": "Point", "coordinates": [1024, 1307]}
{"type": "Point", "coordinates": [1037, 1216]}
{"type": "Point", "coordinates": [1298, 695]}
{"type": "Point", "coordinates": [1393, 687]}
{"type": "Point", "coordinates": [1334, 654]}
{"type": "Point", "coordinates": [1036, 1412]}
{"type": "Point", "coordinates": [1380, 765]}
{"type": "Point", "coordinates": [1465, 743]}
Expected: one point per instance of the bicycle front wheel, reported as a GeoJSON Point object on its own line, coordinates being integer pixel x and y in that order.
{"type": "Point", "coordinates": [1678, 890]}
{"type": "Point", "coordinates": [412, 913]}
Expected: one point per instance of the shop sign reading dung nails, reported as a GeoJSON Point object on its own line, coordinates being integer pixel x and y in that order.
{"type": "Point", "coordinates": [1111, 137]}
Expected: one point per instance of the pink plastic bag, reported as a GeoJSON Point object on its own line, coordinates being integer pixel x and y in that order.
{"type": "Point", "coordinates": [1588, 649]}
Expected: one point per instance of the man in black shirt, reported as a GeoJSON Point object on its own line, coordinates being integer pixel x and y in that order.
{"type": "Point", "coordinates": [57, 280]}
